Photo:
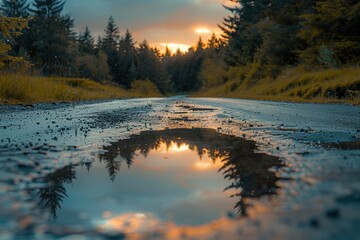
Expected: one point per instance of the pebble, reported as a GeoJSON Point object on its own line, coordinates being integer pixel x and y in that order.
{"type": "Point", "coordinates": [332, 213]}
{"type": "Point", "coordinates": [314, 222]}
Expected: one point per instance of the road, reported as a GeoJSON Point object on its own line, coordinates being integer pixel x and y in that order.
{"type": "Point", "coordinates": [318, 198]}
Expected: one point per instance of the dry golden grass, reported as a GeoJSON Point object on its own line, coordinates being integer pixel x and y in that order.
{"type": "Point", "coordinates": [32, 89]}
{"type": "Point", "coordinates": [295, 85]}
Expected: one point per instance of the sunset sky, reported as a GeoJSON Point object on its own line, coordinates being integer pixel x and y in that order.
{"type": "Point", "coordinates": [174, 23]}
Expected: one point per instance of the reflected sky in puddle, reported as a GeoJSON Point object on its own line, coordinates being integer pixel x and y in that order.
{"type": "Point", "coordinates": [160, 179]}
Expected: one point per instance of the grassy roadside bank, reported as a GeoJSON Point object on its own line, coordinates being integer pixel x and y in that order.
{"type": "Point", "coordinates": [320, 86]}
{"type": "Point", "coordinates": [16, 89]}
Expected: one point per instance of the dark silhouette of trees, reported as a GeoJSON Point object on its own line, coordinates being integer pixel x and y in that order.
{"type": "Point", "coordinates": [266, 36]}
{"type": "Point", "coordinates": [86, 42]}
{"type": "Point", "coordinates": [110, 43]}
{"type": "Point", "coordinates": [149, 67]}
{"type": "Point", "coordinates": [127, 60]}
{"type": "Point", "coordinates": [50, 36]}
{"type": "Point", "coordinates": [90, 60]}
{"type": "Point", "coordinates": [185, 68]}
{"type": "Point", "coordinates": [15, 8]}
{"type": "Point", "coordinates": [213, 68]}
{"type": "Point", "coordinates": [332, 26]}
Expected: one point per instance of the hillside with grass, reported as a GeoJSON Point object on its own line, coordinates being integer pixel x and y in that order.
{"type": "Point", "coordinates": [294, 85]}
{"type": "Point", "coordinates": [15, 89]}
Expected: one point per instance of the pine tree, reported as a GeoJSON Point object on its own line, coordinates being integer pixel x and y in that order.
{"type": "Point", "coordinates": [111, 37]}
{"type": "Point", "coordinates": [110, 43]}
{"type": "Point", "coordinates": [334, 24]}
{"type": "Point", "coordinates": [241, 31]}
{"type": "Point", "coordinates": [127, 60]}
{"type": "Point", "coordinates": [86, 42]}
{"type": "Point", "coordinates": [127, 44]}
{"type": "Point", "coordinates": [50, 36]}
{"type": "Point", "coordinates": [15, 8]}
{"type": "Point", "coordinates": [10, 28]}
{"type": "Point", "coordinates": [167, 53]}
{"type": "Point", "coordinates": [200, 46]}
{"type": "Point", "coordinates": [99, 45]}
{"type": "Point", "coordinates": [48, 8]}
{"type": "Point", "coordinates": [150, 68]}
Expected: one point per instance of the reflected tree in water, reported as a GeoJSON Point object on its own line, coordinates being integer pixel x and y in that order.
{"type": "Point", "coordinates": [51, 196]}
{"type": "Point", "coordinates": [247, 171]}
{"type": "Point", "coordinates": [88, 165]}
{"type": "Point", "coordinates": [114, 156]}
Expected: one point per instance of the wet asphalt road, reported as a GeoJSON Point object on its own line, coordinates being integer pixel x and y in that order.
{"type": "Point", "coordinates": [321, 201]}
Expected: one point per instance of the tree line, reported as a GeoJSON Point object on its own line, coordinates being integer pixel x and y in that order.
{"type": "Point", "coordinates": [264, 37]}
{"type": "Point", "coordinates": [260, 38]}
{"type": "Point", "coordinates": [50, 44]}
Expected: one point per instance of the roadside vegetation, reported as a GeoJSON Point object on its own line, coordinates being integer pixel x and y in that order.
{"type": "Point", "coordinates": [294, 85]}
{"type": "Point", "coordinates": [15, 89]}
{"type": "Point", "coordinates": [294, 50]}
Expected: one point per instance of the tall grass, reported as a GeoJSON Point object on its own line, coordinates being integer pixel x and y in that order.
{"type": "Point", "coordinates": [297, 85]}
{"type": "Point", "coordinates": [32, 89]}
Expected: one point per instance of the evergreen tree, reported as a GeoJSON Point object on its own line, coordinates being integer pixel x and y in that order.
{"type": "Point", "coordinates": [230, 28]}
{"type": "Point", "coordinates": [146, 62]}
{"type": "Point", "coordinates": [200, 46]}
{"type": "Point", "coordinates": [213, 68]}
{"type": "Point", "coordinates": [127, 60]}
{"type": "Point", "coordinates": [184, 69]}
{"type": "Point", "coordinates": [150, 68]}
{"type": "Point", "coordinates": [167, 52]}
{"type": "Point", "coordinates": [50, 37]}
{"type": "Point", "coordinates": [213, 42]}
{"type": "Point", "coordinates": [10, 28]}
{"type": "Point", "coordinates": [110, 43]}
{"type": "Point", "coordinates": [127, 44]}
{"type": "Point", "coordinates": [90, 61]}
{"type": "Point", "coordinates": [99, 45]}
{"type": "Point", "coordinates": [111, 38]}
{"type": "Point", "coordinates": [15, 8]}
{"type": "Point", "coordinates": [334, 24]}
{"type": "Point", "coordinates": [86, 42]}
{"type": "Point", "coordinates": [280, 43]}
{"type": "Point", "coordinates": [263, 34]}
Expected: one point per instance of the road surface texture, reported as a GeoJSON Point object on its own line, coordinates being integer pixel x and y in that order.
{"type": "Point", "coordinates": [318, 195]}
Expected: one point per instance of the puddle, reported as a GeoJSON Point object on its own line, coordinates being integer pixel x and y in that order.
{"type": "Point", "coordinates": [160, 179]}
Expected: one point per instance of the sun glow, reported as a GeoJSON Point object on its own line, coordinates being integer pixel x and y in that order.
{"type": "Point", "coordinates": [203, 165]}
{"type": "Point", "coordinates": [202, 30]}
{"type": "Point", "coordinates": [175, 148]}
{"type": "Point", "coordinates": [175, 46]}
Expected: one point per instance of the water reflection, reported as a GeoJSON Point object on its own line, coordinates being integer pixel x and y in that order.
{"type": "Point", "coordinates": [51, 196]}
{"type": "Point", "coordinates": [180, 178]}
{"type": "Point", "coordinates": [246, 170]}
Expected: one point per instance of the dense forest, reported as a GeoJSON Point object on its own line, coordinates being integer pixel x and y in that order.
{"type": "Point", "coordinates": [260, 39]}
